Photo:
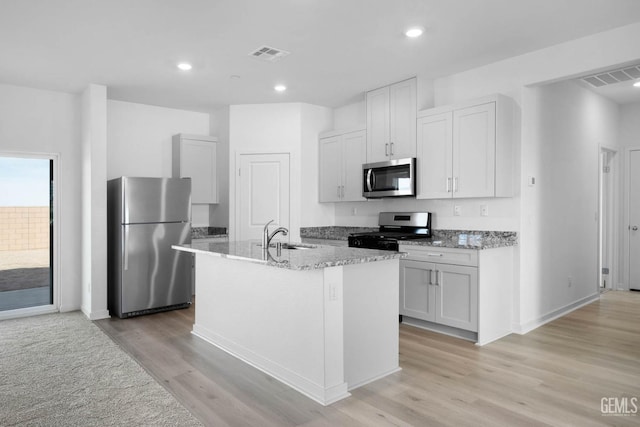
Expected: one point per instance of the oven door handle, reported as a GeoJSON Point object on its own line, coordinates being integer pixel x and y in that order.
{"type": "Point", "coordinates": [369, 184]}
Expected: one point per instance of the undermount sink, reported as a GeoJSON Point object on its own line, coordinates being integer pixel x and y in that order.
{"type": "Point", "coordinates": [296, 247]}
{"type": "Point", "coordinates": [292, 246]}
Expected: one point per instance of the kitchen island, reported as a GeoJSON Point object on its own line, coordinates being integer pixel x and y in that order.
{"type": "Point", "coordinates": [321, 319]}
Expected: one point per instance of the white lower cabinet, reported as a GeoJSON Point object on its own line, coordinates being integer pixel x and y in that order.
{"type": "Point", "coordinates": [441, 293]}
{"type": "Point", "coordinates": [461, 292]}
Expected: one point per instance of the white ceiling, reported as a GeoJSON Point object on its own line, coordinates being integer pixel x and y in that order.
{"type": "Point", "coordinates": [339, 48]}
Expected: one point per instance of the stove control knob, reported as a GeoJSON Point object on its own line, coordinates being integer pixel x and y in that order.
{"type": "Point", "coordinates": [357, 242]}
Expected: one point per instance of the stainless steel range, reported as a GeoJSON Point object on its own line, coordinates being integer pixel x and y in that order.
{"type": "Point", "coordinates": [394, 227]}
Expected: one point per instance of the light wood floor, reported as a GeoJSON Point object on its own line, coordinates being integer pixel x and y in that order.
{"type": "Point", "coordinates": [555, 375]}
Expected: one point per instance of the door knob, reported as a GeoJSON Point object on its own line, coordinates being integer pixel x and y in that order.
{"type": "Point", "coordinates": [634, 228]}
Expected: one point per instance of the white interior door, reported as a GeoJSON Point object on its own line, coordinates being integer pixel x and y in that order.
{"type": "Point", "coordinates": [262, 194]}
{"type": "Point", "coordinates": [634, 219]}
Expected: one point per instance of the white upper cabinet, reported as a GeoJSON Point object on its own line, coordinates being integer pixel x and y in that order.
{"type": "Point", "coordinates": [391, 125]}
{"type": "Point", "coordinates": [194, 156]}
{"type": "Point", "coordinates": [435, 156]}
{"type": "Point", "coordinates": [466, 151]}
{"type": "Point", "coordinates": [341, 157]}
{"type": "Point", "coordinates": [474, 151]}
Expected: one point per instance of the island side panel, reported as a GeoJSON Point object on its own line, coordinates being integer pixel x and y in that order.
{"type": "Point", "coordinates": [273, 319]}
{"type": "Point", "coordinates": [371, 310]}
{"type": "Point", "coordinates": [495, 287]}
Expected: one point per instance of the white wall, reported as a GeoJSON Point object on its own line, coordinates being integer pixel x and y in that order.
{"type": "Point", "coordinates": [630, 125]}
{"type": "Point", "coordinates": [278, 128]}
{"type": "Point", "coordinates": [219, 126]}
{"type": "Point", "coordinates": [139, 142]}
{"type": "Point", "coordinates": [94, 202]}
{"type": "Point", "coordinates": [314, 120]}
{"type": "Point", "coordinates": [571, 123]}
{"type": "Point", "coordinates": [39, 121]}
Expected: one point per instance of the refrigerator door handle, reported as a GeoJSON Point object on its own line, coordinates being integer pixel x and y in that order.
{"type": "Point", "coordinates": [125, 246]}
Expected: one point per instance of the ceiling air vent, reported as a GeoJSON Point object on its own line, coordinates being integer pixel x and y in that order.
{"type": "Point", "coordinates": [269, 54]}
{"type": "Point", "coordinates": [613, 76]}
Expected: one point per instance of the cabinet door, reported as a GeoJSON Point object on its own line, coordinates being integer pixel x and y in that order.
{"type": "Point", "coordinates": [474, 151]}
{"type": "Point", "coordinates": [330, 169]}
{"type": "Point", "coordinates": [402, 119]}
{"type": "Point", "coordinates": [434, 163]}
{"type": "Point", "coordinates": [198, 162]}
{"type": "Point", "coordinates": [378, 125]}
{"type": "Point", "coordinates": [354, 151]}
{"type": "Point", "coordinates": [416, 290]}
{"type": "Point", "coordinates": [456, 296]}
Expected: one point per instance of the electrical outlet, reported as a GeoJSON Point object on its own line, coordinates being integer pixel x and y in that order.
{"type": "Point", "coordinates": [484, 210]}
{"type": "Point", "coordinates": [333, 293]}
{"type": "Point", "coordinates": [457, 210]}
{"type": "Point", "coordinates": [354, 211]}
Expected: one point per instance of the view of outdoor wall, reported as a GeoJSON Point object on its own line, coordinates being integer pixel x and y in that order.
{"type": "Point", "coordinates": [24, 227]}
{"type": "Point", "coordinates": [24, 232]}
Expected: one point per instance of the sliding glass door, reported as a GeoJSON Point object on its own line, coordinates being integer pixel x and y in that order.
{"type": "Point", "coordinates": [26, 232]}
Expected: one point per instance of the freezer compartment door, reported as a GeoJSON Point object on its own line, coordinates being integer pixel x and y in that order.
{"type": "Point", "coordinates": [153, 274]}
{"type": "Point", "coordinates": [147, 200]}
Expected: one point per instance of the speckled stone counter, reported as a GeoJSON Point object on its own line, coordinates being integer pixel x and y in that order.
{"type": "Point", "coordinates": [333, 232]}
{"type": "Point", "coordinates": [441, 238]}
{"type": "Point", "coordinates": [474, 239]}
{"type": "Point", "coordinates": [311, 257]}
{"type": "Point", "coordinates": [208, 232]}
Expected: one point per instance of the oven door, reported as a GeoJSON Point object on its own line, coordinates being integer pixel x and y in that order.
{"type": "Point", "coordinates": [389, 179]}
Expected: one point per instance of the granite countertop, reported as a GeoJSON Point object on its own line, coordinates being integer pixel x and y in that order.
{"type": "Point", "coordinates": [476, 239]}
{"type": "Point", "coordinates": [209, 236]}
{"type": "Point", "coordinates": [316, 257]}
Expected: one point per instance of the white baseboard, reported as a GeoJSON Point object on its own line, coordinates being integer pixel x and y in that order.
{"type": "Point", "coordinates": [529, 326]}
{"type": "Point", "coordinates": [26, 312]}
{"type": "Point", "coordinates": [95, 315]}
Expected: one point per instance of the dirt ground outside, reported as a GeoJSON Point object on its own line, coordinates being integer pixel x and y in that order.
{"type": "Point", "coordinates": [24, 269]}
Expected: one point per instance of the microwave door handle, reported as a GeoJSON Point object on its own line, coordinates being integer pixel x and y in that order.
{"type": "Point", "coordinates": [369, 173]}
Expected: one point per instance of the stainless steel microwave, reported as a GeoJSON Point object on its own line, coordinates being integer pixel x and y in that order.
{"type": "Point", "coordinates": [392, 178]}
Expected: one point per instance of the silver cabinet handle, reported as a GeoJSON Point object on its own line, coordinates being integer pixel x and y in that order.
{"type": "Point", "coordinates": [634, 228]}
{"type": "Point", "coordinates": [391, 148]}
{"type": "Point", "coordinates": [428, 271]}
{"type": "Point", "coordinates": [436, 282]}
{"type": "Point", "coordinates": [386, 149]}
{"type": "Point", "coordinates": [455, 184]}
{"type": "Point", "coordinates": [338, 191]}
{"type": "Point", "coordinates": [433, 254]}
{"type": "Point", "coordinates": [449, 185]}
{"type": "Point", "coordinates": [342, 191]}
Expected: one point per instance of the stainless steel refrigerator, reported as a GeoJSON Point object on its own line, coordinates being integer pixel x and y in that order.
{"type": "Point", "coordinates": [145, 217]}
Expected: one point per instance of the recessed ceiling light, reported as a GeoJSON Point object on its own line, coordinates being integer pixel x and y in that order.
{"type": "Point", "coordinates": [280, 88]}
{"type": "Point", "coordinates": [636, 84]}
{"type": "Point", "coordinates": [184, 66]}
{"type": "Point", "coordinates": [414, 32]}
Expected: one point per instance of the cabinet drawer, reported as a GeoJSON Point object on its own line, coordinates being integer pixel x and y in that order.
{"type": "Point", "coordinates": [441, 255]}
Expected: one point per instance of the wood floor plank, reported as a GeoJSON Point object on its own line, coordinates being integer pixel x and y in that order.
{"type": "Point", "coordinates": [554, 375]}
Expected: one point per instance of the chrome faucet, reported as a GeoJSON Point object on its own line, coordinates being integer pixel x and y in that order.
{"type": "Point", "coordinates": [266, 237]}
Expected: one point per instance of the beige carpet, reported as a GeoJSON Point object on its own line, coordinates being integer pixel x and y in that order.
{"type": "Point", "coordinates": [62, 370]}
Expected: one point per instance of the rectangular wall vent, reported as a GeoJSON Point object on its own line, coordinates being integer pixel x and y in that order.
{"type": "Point", "coordinates": [613, 76]}
{"type": "Point", "coordinates": [269, 54]}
